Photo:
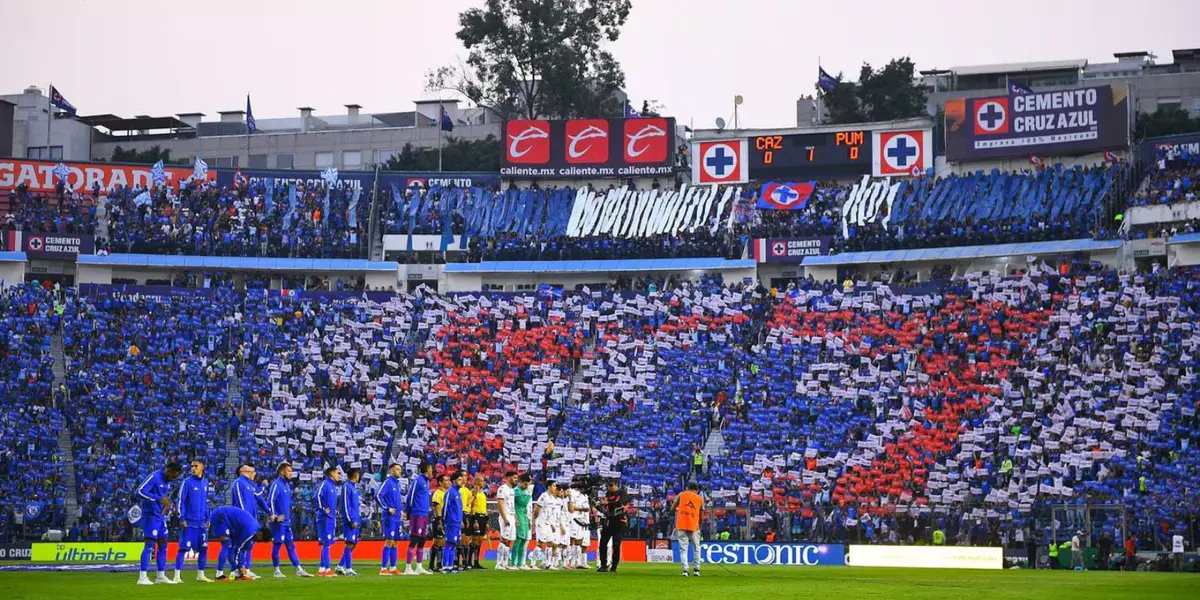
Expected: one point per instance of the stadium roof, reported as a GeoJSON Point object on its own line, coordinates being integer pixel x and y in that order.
{"type": "Point", "coordinates": [1184, 238]}
{"type": "Point", "coordinates": [114, 123]}
{"type": "Point", "coordinates": [1044, 65]}
{"type": "Point", "coordinates": [963, 252]}
{"type": "Point", "coordinates": [237, 263]}
{"type": "Point", "coordinates": [599, 266]}
{"type": "Point", "coordinates": [12, 257]}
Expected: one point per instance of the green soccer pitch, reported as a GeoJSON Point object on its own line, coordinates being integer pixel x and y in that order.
{"type": "Point", "coordinates": [659, 582]}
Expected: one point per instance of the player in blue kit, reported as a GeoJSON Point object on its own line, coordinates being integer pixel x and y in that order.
{"type": "Point", "coordinates": [388, 497]}
{"type": "Point", "coordinates": [452, 520]}
{"type": "Point", "coordinates": [252, 498]}
{"type": "Point", "coordinates": [237, 529]}
{"type": "Point", "coordinates": [279, 502]}
{"type": "Point", "coordinates": [350, 514]}
{"type": "Point", "coordinates": [192, 503]}
{"type": "Point", "coordinates": [326, 500]}
{"type": "Point", "coordinates": [154, 496]}
{"type": "Point", "coordinates": [416, 509]}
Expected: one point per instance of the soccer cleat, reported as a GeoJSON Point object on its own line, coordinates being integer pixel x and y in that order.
{"type": "Point", "coordinates": [602, 569]}
{"type": "Point", "coordinates": [279, 574]}
{"type": "Point", "coordinates": [695, 572]}
{"type": "Point", "coordinates": [176, 578]}
{"type": "Point", "coordinates": [143, 580]}
{"type": "Point", "coordinates": [385, 572]}
{"type": "Point", "coordinates": [222, 577]}
{"type": "Point", "coordinates": [243, 578]}
{"type": "Point", "coordinates": [203, 579]}
{"type": "Point", "coordinates": [351, 573]}
{"type": "Point", "coordinates": [525, 568]}
{"type": "Point", "coordinates": [340, 570]}
{"type": "Point", "coordinates": [162, 578]}
{"type": "Point", "coordinates": [408, 570]}
{"type": "Point", "coordinates": [251, 574]}
{"type": "Point", "coordinates": [421, 570]}
{"type": "Point", "coordinates": [395, 571]}
{"type": "Point", "coordinates": [300, 572]}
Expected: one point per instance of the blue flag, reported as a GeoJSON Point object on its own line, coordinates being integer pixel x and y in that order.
{"type": "Point", "coordinates": [287, 217]}
{"type": "Point", "coordinates": [325, 208]}
{"type": "Point", "coordinates": [251, 125]}
{"type": "Point", "coordinates": [34, 511]}
{"type": "Point", "coordinates": [57, 99]}
{"type": "Point", "coordinates": [269, 201]}
{"type": "Point", "coordinates": [826, 81]}
{"type": "Point", "coordinates": [1017, 89]}
{"type": "Point", "coordinates": [446, 122]}
{"type": "Point", "coordinates": [157, 174]}
{"type": "Point", "coordinates": [352, 213]}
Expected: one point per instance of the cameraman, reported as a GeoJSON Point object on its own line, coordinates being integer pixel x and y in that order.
{"type": "Point", "coordinates": [614, 518]}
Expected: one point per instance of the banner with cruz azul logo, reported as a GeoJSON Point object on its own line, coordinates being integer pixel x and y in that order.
{"type": "Point", "coordinates": [587, 148]}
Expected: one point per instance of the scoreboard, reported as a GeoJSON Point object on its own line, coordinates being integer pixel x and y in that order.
{"type": "Point", "coordinates": [811, 155]}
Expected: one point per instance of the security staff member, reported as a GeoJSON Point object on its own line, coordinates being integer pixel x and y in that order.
{"type": "Point", "coordinates": [614, 521]}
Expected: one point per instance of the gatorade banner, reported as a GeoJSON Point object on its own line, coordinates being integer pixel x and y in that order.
{"type": "Point", "coordinates": [38, 175]}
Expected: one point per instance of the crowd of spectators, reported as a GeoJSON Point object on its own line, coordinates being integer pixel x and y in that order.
{"type": "Point", "coordinates": [1175, 178]}
{"type": "Point", "coordinates": [63, 212]}
{"type": "Point", "coordinates": [243, 220]}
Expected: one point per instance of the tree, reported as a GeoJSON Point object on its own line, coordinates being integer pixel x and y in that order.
{"type": "Point", "coordinates": [539, 58]}
{"type": "Point", "coordinates": [148, 156]}
{"type": "Point", "coordinates": [652, 108]}
{"type": "Point", "coordinates": [1165, 121]}
{"type": "Point", "coordinates": [886, 94]}
{"type": "Point", "coordinates": [457, 155]}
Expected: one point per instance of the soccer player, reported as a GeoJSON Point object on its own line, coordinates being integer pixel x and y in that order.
{"type": "Point", "coordinates": [252, 498]}
{"type": "Point", "coordinates": [522, 501]}
{"type": "Point", "coordinates": [579, 510]}
{"type": "Point", "coordinates": [479, 521]}
{"type": "Point", "coordinates": [155, 496]}
{"type": "Point", "coordinates": [437, 500]}
{"type": "Point", "coordinates": [326, 500]}
{"type": "Point", "coordinates": [462, 556]}
{"type": "Point", "coordinates": [237, 529]}
{"type": "Point", "coordinates": [350, 511]}
{"type": "Point", "coordinates": [545, 525]}
{"type": "Point", "coordinates": [563, 539]}
{"type": "Point", "coordinates": [388, 497]}
{"type": "Point", "coordinates": [279, 502]}
{"type": "Point", "coordinates": [687, 507]}
{"type": "Point", "coordinates": [452, 520]}
{"type": "Point", "coordinates": [193, 519]}
{"type": "Point", "coordinates": [416, 508]}
{"type": "Point", "coordinates": [508, 519]}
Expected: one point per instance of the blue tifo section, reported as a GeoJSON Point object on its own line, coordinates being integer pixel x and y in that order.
{"type": "Point", "coordinates": [599, 266]}
{"type": "Point", "coordinates": [237, 262]}
{"type": "Point", "coordinates": [966, 252]}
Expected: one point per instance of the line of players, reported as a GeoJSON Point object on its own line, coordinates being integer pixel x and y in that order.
{"type": "Point", "coordinates": [444, 511]}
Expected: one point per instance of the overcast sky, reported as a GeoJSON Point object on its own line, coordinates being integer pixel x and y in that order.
{"type": "Point", "coordinates": [135, 57]}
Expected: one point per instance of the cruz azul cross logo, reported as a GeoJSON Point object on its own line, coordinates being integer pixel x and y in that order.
{"type": "Point", "coordinates": [903, 153]}
{"type": "Point", "coordinates": [722, 161]}
{"type": "Point", "coordinates": [646, 140]}
{"type": "Point", "coordinates": [991, 116]}
{"type": "Point", "coordinates": [587, 141]}
{"type": "Point", "coordinates": [36, 243]}
{"type": "Point", "coordinates": [527, 142]}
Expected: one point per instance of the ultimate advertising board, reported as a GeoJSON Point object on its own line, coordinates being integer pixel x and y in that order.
{"type": "Point", "coordinates": [1060, 122]}
{"type": "Point", "coordinates": [751, 553]}
{"type": "Point", "coordinates": [38, 176]}
{"type": "Point", "coordinates": [589, 148]}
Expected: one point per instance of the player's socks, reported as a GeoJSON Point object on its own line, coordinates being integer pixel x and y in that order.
{"type": "Point", "coordinates": [147, 552]}
{"type": "Point", "coordinates": [222, 557]}
{"type": "Point", "coordinates": [295, 558]}
{"type": "Point", "coordinates": [143, 579]}
{"type": "Point", "coordinates": [324, 566]}
{"type": "Point", "coordinates": [160, 559]}
{"type": "Point", "coordinates": [275, 548]}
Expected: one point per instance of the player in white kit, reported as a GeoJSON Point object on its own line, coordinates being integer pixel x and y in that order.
{"type": "Point", "coordinates": [508, 519]}
{"type": "Point", "coordinates": [547, 525]}
{"type": "Point", "coordinates": [579, 511]}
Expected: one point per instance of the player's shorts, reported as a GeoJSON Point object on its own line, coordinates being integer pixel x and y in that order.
{"type": "Point", "coordinates": [193, 538]}
{"type": "Point", "coordinates": [281, 533]}
{"type": "Point", "coordinates": [391, 527]}
{"type": "Point", "coordinates": [564, 533]}
{"type": "Point", "coordinates": [546, 534]}
{"type": "Point", "coordinates": [587, 536]}
{"type": "Point", "coordinates": [478, 525]}
{"type": "Point", "coordinates": [439, 530]}
{"type": "Point", "coordinates": [350, 534]}
{"type": "Point", "coordinates": [453, 533]}
{"type": "Point", "coordinates": [509, 532]}
{"type": "Point", "coordinates": [575, 530]}
{"type": "Point", "coordinates": [418, 526]}
{"type": "Point", "coordinates": [326, 531]}
{"type": "Point", "coordinates": [154, 528]}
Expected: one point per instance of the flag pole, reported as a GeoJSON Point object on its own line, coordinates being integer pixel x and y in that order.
{"type": "Point", "coordinates": [439, 131]}
{"type": "Point", "coordinates": [49, 117]}
{"type": "Point", "coordinates": [820, 91]}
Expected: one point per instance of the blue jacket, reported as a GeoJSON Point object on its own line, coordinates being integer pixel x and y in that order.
{"type": "Point", "coordinates": [193, 501]}
{"type": "Point", "coordinates": [350, 505]}
{"type": "Point", "coordinates": [248, 496]}
{"type": "Point", "coordinates": [234, 523]}
{"type": "Point", "coordinates": [417, 501]}
{"type": "Point", "coordinates": [452, 508]}
{"type": "Point", "coordinates": [151, 491]}
{"type": "Point", "coordinates": [279, 499]}
{"type": "Point", "coordinates": [388, 496]}
{"type": "Point", "coordinates": [326, 498]}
